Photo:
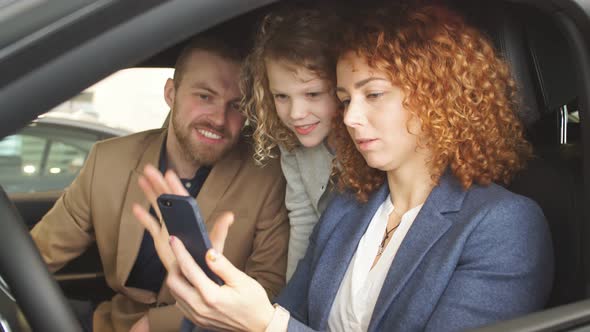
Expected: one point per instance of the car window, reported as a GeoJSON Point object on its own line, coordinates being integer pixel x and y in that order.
{"type": "Point", "coordinates": [43, 158]}
{"type": "Point", "coordinates": [130, 99]}
{"type": "Point", "coordinates": [49, 153]}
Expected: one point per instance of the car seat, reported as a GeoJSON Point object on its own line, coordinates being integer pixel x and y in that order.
{"type": "Point", "coordinates": [541, 62]}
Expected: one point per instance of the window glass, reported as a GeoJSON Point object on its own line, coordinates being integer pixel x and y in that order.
{"type": "Point", "coordinates": [131, 99]}
{"type": "Point", "coordinates": [43, 158]}
{"type": "Point", "coordinates": [20, 161]}
{"type": "Point", "coordinates": [49, 153]}
{"type": "Point", "coordinates": [64, 159]}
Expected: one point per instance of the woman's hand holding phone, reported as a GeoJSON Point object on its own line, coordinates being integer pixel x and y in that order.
{"type": "Point", "coordinates": [208, 305]}
{"type": "Point", "coordinates": [153, 185]}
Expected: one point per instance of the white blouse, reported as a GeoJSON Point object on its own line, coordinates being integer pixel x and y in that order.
{"type": "Point", "coordinates": [360, 288]}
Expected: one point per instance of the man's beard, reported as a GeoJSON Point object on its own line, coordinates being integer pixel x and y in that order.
{"type": "Point", "coordinates": [199, 153]}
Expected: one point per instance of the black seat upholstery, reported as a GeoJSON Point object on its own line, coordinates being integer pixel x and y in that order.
{"type": "Point", "coordinates": [539, 58]}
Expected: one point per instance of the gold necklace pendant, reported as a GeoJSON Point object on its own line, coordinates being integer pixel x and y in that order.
{"type": "Point", "coordinates": [382, 245]}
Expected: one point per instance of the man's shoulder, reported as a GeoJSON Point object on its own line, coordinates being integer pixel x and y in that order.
{"type": "Point", "coordinates": [244, 151]}
{"type": "Point", "coordinates": [123, 153]}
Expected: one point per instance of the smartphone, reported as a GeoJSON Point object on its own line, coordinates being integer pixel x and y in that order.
{"type": "Point", "coordinates": [183, 220]}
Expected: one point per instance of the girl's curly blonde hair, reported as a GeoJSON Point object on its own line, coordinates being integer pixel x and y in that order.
{"type": "Point", "coordinates": [454, 83]}
{"type": "Point", "coordinates": [301, 36]}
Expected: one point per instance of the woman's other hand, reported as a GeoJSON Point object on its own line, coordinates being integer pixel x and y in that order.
{"type": "Point", "coordinates": [153, 184]}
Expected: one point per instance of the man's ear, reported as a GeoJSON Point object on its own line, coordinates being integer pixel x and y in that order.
{"type": "Point", "coordinates": [169, 92]}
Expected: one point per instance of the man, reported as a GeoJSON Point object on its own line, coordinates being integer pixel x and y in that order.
{"type": "Point", "coordinates": [205, 147]}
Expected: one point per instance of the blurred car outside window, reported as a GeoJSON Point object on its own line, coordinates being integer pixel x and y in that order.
{"type": "Point", "coordinates": [48, 154]}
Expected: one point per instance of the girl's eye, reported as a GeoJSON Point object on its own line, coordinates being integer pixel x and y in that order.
{"type": "Point", "coordinates": [280, 97]}
{"type": "Point", "coordinates": [345, 103]}
{"type": "Point", "coordinates": [374, 95]}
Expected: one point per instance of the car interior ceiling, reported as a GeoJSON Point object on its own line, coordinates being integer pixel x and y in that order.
{"type": "Point", "coordinates": [541, 60]}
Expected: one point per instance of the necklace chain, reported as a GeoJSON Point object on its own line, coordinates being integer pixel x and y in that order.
{"type": "Point", "coordinates": [388, 233]}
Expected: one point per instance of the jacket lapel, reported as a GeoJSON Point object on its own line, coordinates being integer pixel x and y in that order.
{"type": "Point", "coordinates": [430, 224]}
{"type": "Point", "coordinates": [130, 230]}
{"type": "Point", "coordinates": [218, 181]}
{"type": "Point", "coordinates": [336, 256]}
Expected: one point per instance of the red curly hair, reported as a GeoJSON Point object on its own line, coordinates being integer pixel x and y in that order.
{"type": "Point", "coordinates": [454, 83]}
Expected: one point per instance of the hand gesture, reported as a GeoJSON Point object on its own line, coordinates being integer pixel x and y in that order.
{"type": "Point", "coordinates": [153, 185]}
{"type": "Point", "coordinates": [241, 304]}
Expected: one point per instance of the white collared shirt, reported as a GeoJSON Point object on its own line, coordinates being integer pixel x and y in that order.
{"type": "Point", "coordinates": [360, 288]}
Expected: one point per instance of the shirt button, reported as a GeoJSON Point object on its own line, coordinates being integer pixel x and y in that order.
{"type": "Point", "coordinates": [187, 185]}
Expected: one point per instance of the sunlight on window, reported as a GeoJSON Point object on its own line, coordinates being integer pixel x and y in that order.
{"type": "Point", "coordinates": [131, 99]}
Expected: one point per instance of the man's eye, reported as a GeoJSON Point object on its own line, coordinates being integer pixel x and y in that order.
{"type": "Point", "coordinates": [204, 97]}
{"type": "Point", "coordinates": [235, 106]}
{"type": "Point", "coordinates": [313, 94]}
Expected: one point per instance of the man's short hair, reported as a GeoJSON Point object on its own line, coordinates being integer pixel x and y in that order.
{"type": "Point", "coordinates": [208, 43]}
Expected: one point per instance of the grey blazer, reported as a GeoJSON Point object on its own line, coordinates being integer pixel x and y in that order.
{"type": "Point", "coordinates": [307, 171]}
{"type": "Point", "coordinates": [470, 258]}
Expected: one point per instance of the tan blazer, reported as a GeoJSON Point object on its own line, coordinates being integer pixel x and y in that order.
{"type": "Point", "coordinates": [97, 206]}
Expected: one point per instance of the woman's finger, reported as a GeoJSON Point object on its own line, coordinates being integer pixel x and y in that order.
{"type": "Point", "coordinates": [181, 289]}
{"type": "Point", "coordinates": [191, 270]}
{"type": "Point", "coordinates": [187, 298]}
{"type": "Point", "coordinates": [190, 302]}
{"type": "Point", "coordinates": [223, 268]}
{"type": "Point", "coordinates": [146, 219]}
{"type": "Point", "coordinates": [147, 189]}
{"type": "Point", "coordinates": [156, 180]}
{"type": "Point", "coordinates": [174, 183]}
{"type": "Point", "coordinates": [220, 229]}
{"type": "Point", "coordinates": [149, 193]}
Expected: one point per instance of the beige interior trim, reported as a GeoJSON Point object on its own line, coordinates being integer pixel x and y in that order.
{"type": "Point", "coordinates": [78, 276]}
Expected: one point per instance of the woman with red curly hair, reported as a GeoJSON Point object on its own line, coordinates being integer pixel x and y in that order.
{"type": "Point", "coordinates": [421, 237]}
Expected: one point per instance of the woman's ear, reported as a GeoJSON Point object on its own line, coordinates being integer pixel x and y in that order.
{"type": "Point", "coordinates": [169, 92]}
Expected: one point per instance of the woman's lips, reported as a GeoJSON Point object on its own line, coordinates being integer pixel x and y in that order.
{"type": "Point", "coordinates": [365, 144]}
{"type": "Point", "coordinates": [305, 129]}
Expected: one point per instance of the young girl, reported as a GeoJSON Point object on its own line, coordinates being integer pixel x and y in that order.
{"type": "Point", "coordinates": [289, 98]}
{"type": "Point", "coordinates": [422, 239]}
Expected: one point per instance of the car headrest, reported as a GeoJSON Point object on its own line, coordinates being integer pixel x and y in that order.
{"type": "Point", "coordinates": [533, 47]}
{"type": "Point", "coordinates": [552, 59]}
{"type": "Point", "coordinates": [508, 35]}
